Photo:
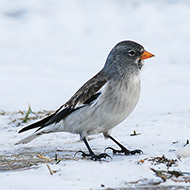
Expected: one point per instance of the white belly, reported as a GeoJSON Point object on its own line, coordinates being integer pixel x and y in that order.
{"type": "Point", "coordinates": [111, 109]}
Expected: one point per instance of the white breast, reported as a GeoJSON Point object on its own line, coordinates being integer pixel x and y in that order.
{"type": "Point", "coordinates": [125, 98]}
{"type": "Point", "coordinates": [115, 103]}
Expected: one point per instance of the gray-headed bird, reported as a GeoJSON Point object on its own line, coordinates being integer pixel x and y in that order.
{"type": "Point", "coordinates": [102, 102]}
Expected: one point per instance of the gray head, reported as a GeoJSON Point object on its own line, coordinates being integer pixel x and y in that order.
{"type": "Point", "coordinates": [125, 56]}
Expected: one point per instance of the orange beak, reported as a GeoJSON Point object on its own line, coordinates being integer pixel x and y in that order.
{"type": "Point", "coordinates": [146, 55]}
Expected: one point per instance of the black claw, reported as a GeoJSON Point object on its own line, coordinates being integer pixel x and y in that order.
{"type": "Point", "coordinates": [83, 153]}
{"type": "Point", "coordinates": [114, 150]}
{"type": "Point", "coordinates": [125, 151]}
{"type": "Point", "coordinates": [93, 156]}
{"type": "Point", "coordinates": [137, 151]}
{"type": "Point", "coordinates": [98, 157]}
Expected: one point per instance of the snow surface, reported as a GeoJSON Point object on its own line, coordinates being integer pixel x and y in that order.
{"type": "Point", "coordinates": [50, 48]}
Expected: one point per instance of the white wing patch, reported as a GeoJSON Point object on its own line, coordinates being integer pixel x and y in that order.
{"type": "Point", "coordinates": [101, 91]}
{"type": "Point", "coordinates": [93, 102]}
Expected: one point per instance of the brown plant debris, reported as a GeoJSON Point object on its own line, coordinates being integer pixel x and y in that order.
{"type": "Point", "coordinates": [163, 160]}
{"type": "Point", "coordinates": [21, 117]}
{"type": "Point", "coordinates": [43, 157]}
{"type": "Point", "coordinates": [50, 170]}
{"type": "Point", "coordinates": [29, 160]}
{"type": "Point", "coordinates": [164, 175]}
{"type": "Point", "coordinates": [159, 160]}
{"type": "Point", "coordinates": [135, 133]}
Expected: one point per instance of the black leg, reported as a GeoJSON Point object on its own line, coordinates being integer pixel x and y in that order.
{"type": "Point", "coordinates": [91, 153]}
{"type": "Point", "coordinates": [123, 149]}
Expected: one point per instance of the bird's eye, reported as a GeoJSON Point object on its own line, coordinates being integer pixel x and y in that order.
{"type": "Point", "coordinates": [131, 52]}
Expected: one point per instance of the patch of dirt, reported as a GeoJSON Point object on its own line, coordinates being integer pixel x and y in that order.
{"type": "Point", "coordinates": [153, 188]}
{"type": "Point", "coordinates": [29, 160]}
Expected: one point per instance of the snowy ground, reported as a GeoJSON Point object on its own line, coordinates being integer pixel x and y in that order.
{"type": "Point", "coordinates": [50, 48]}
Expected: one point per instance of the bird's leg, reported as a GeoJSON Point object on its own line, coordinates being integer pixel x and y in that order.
{"type": "Point", "coordinates": [123, 149]}
{"type": "Point", "coordinates": [91, 154]}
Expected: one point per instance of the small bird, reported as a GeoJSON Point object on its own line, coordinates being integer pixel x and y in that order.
{"type": "Point", "coordinates": [102, 102]}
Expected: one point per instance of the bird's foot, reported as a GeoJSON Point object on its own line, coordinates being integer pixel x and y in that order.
{"type": "Point", "coordinates": [93, 156]}
{"type": "Point", "coordinates": [125, 151]}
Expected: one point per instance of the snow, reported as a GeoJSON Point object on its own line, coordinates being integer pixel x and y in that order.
{"type": "Point", "coordinates": [50, 48]}
{"type": "Point", "coordinates": [183, 152]}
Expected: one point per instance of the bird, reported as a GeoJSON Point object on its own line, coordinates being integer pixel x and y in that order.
{"type": "Point", "coordinates": [101, 103]}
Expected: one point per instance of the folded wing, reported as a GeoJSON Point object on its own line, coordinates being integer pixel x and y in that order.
{"type": "Point", "coordinates": [85, 95]}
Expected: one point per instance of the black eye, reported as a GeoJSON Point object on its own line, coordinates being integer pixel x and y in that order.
{"type": "Point", "coordinates": [131, 52]}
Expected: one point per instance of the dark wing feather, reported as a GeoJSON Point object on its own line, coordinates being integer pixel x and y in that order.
{"type": "Point", "coordinates": [92, 98]}
{"type": "Point", "coordinates": [41, 122]}
{"type": "Point", "coordinates": [54, 118]}
{"type": "Point", "coordinates": [59, 116]}
{"type": "Point", "coordinates": [36, 124]}
{"type": "Point", "coordinates": [87, 90]}
{"type": "Point", "coordinates": [86, 94]}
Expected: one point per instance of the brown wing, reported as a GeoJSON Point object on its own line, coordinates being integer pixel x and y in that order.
{"type": "Point", "coordinates": [87, 90]}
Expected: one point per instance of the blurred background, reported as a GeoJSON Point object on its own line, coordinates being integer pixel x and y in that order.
{"type": "Point", "coordinates": [49, 48]}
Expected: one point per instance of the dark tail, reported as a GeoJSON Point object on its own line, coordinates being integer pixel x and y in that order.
{"type": "Point", "coordinates": [40, 123]}
{"type": "Point", "coordinates": [54, 118]}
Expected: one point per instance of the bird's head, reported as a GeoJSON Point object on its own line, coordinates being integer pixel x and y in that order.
{"type": "Point", "coordinates": [127, 54]}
